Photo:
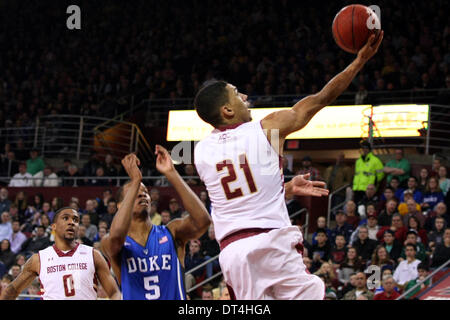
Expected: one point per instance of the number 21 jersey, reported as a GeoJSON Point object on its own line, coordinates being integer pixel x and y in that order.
{"type": "Point", "coordinates": [244, 179]}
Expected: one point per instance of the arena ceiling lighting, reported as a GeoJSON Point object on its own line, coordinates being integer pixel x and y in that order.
{"type": "Point", "coordinates": [332, 122]}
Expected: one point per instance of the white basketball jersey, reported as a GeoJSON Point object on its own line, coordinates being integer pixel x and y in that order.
{"type": "Point", "coordinates": [242, 173]}
{"type": "Point", "coordinates": [67, 276]}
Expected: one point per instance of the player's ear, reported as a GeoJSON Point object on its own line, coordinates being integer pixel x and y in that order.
{"type": "Point", "coordinates": [227, 111]}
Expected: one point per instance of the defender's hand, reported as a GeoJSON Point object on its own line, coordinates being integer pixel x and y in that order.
{"type": "Point", "coordinates": [371, 47]}
{"type": "Point", "coordinates": [130, 163]}
{"type": "Point", "coordinates": [164, 162]}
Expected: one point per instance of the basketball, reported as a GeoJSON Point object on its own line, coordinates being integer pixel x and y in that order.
{"type": "Point", "coordinates": [353, 25]}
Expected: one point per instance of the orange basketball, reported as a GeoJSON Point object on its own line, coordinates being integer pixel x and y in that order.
{"type": "Point", "coordinates": [353, 25]}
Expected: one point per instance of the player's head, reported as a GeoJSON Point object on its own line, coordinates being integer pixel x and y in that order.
{"type": "Point", "coordinates": [141, 206]}
{"type": "Point", "coordinates": [66, 223]}
{"type": "Point", "coordinates": [220, 103]}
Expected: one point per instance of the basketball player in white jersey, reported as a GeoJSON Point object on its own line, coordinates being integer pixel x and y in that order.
{"type": "Point", "coordinates": [67, 270]}
{"type": "Point", "coordinates": [240, 164]}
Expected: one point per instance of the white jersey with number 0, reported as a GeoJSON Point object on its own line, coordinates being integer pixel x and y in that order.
{"type": "Point", "coordinates": [67, 275]}
{"type": "Point", "coordinates": [243, 176]}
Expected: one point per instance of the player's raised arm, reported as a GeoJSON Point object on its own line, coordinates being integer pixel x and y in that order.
{"type": "Point", "coordinates": [198, 220]}
{"type": "Point", "coordinates": [23, 280]}
{"type": "Point", "coordinates": [301, 113]}
{"type": "Point", "coordinates": [112, 243]}
{"type": "Point", "coordinates": [104, 275]}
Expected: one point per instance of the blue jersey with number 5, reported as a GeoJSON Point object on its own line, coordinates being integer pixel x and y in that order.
{"type": "Point", "coordinates": [152, 272]}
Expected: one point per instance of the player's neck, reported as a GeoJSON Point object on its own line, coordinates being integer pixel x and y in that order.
{"type": "Point", "coordinates": [65, 245]}
{"type": "Point", "coordinates": [140, 228]}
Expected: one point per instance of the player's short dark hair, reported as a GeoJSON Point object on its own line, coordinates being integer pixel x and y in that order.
{"type": "Point", "coordinates": [211, 96]}
{"type": "Point", "coordinates": [60, 210]}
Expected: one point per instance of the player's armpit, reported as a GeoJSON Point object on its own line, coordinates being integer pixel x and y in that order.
{"type": "Point", "coordinates": [24, 279]}
{"type": "Point", "coordinates": [104, 275]}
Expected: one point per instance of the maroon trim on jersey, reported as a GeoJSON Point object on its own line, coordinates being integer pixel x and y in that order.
{"type": "Point", "coordinates": [230, 126]}
{"type": "Point", "coordinates": [241, 234]}
{"type": "Point", "coordinates": [231, 292]}
{"type": "Point", "coordinates": [68, 254]}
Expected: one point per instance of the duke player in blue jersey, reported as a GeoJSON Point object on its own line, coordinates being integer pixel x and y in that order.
{"type": "Point", "coordinates": [148, 260]}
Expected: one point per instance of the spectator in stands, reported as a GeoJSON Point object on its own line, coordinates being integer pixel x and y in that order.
{"type": "Point", "coordinates": [5, 203]}
{"type": "Point", "coordinates": [103, 203]}
{"type": "Point", "coordinates": [423, 180]}
{"type": "Point", "coordinates": [9, 165]}
{"type": "Point", "coordinates": [286, 171]}
{"type": "Point", "coordinates": [174, 208]}
{"type": "Point", "coordinates": [385, 217]}
{"type": "Point", "coordinates": [102, 231]}
{"type": "Point", "coordinates": [444, 182]}
{"type": "Point", "coordinates": [35, 163]}
{"type": "Point", "coordinates": [381, 258]}
{"type": "Point", "coordinates": [5, 226]}
{"type": "Point", "coordinates": [414, 224]}
{"type": "Point", "coordinates": [204, 198]}
{"type": "Point", "coordinates": [22, 153]}
{"type": "Point", "coordinates": [435, 167]}
{"type": "Point", "coordinates": [110, 212]}
{"type": "Point", "coordinates": [211, 249]}
{"type": "Point", "coordinates": [412, 188]}
{"type": "Point", "coordinates": [321, 224]}
{"type": "Point", "coordinates": [194, 258]}
{"type": "Point", "coordinates": [38, 242]}
{"type": "Point", "coordinates": [342, 227]}
{"type": "Point", "coordinates": [411, 238]}
{"type": "Point", "coordinates": [17, 237]}
{"type": "Point", "coordinates": [432, 196]}
{"type": "Point", "coordinates": [368, 170]}
{"type": "Point", "coordinates": [6, 280]}
{"type": "Point", "coordinates": [38, 200]}
{"type": "Point", "coordinates": [337, 176]}
{"type": "Point", "coordinates": [82, 236]}
{"type": "Point", "coordinates": [45, 222]}
{"type": "Point", "coordinates": [388, 194]}
{"type": "Point", "coordinates": [370, 222]}
{"type": "Point", "coordinates": [352, 215]}
{"type": "Point", "coordinates": [441, 253]}
{"type": "Point", "coordinates": [307, 167]}
{"type": "Point", "coordinates": [91, 229]}
{"type": "Point", "coordinates": [436, 236]}
{"type": "Point", "coordinates": [21, 202]}
{"type": "Point", "coordinates": [363, 245]}
{"type": "Point", "coordinates": [47, 210]}
{"type": "Point", "coordinates": [207, 293]}
{"type": "Point", "coordinates": [370, 197]}
{"type": "Point", "coordinates": [90, 167]}
{"type": "Point", "coordinates": [7, 257]}
{"type": "Point", "coordinates": [413, 212]}
{"type": "Point", "coordinates": [399, 167]}
{"type": "Point", "coordinates": [22, 178]}
{"type": "Point", "coordinates": [361, 289]}
{"type": "Point", "coordinates": [348, 286]}
{"type": "Point", "coordinates": [389, 293]}
{"type": "Point", "coordinates": [392, 245]}
{"type": "Point", "coordinates": [46, 178]}
{"type": "Point", "coordinates": [339, 251]}
{"type": "Point", "coordinates": [320, 252]}
{"type": "Point", "coordinates": [395, 185]}
{"type": "Point", "coordinates": [327, 271]}
{"type": "Point", "coordinates": [71, 180]}
{"type": "Point", "coordinates": [154, 195]}
{"type": "Point", "coordinates": [165, 217]}
{"type": "Point", "coordinates": [91, 211]}
{"type": "Point", "coordinates": [189, 171]}
{"type": "Point", "coordinates": [403, 207]}
{"type": "Point", "coordinates": [110, 169]}
{"type": "Point", "coordinates": [64, 172]}
{"type": "Point", "coordinates": [99, 180]}
{"type": "Point", "coordinates": [423, 271]}
{"type": "Point", "coordinates": [407, 269]}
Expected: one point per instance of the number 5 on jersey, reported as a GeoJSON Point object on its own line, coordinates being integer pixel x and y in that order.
{"type": "Point", "coordinates": [225, 181]}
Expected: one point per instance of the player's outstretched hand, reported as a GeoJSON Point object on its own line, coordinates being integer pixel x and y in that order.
{"type": "Point", "coordinates": [301, 186]}
{"type": "Point", "coordinates": [130, 163]}
{"type": "Point", "coordinates": [371, 47]}
{"type": "Point", "coordinates": [164, 162]}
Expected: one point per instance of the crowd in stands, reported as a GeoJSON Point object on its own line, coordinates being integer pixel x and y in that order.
{"type": "Point", "coordinates": [264, 48]}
